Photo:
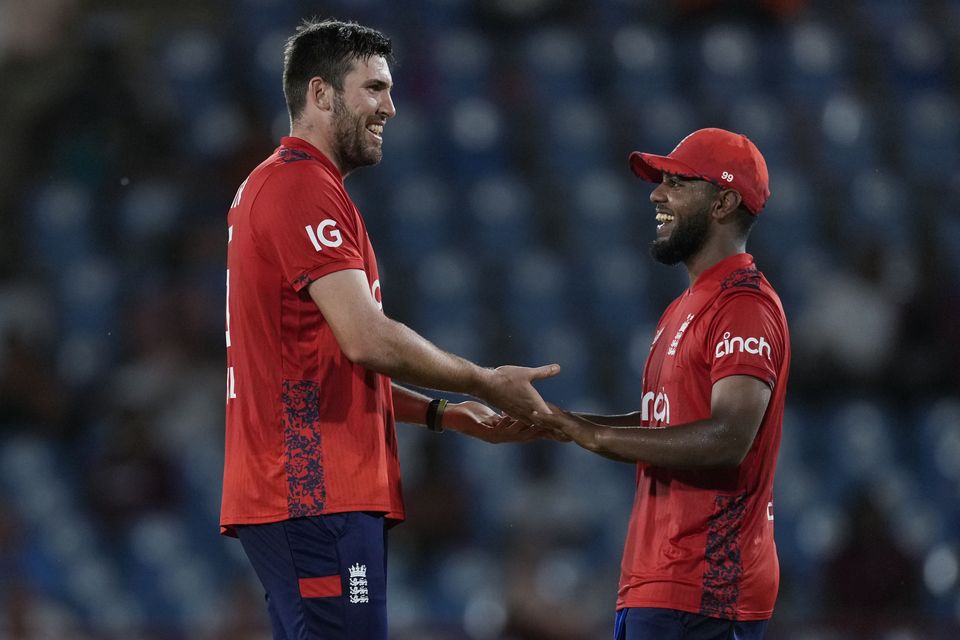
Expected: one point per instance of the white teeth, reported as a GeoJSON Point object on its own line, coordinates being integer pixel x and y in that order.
{"type": "Point", "coordinates": [375, 129]}
{"type": "Point", "coordinates": [664, 217]}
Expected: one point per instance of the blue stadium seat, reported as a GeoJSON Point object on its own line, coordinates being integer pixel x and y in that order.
{"type": "Point", "coordinates": [149, 210]}
{"type": "Point", "coordinates": [495, 474]}
{"type": "Point", "coordinates": [916, 58]}
{"type": "Point", "coordinates": [790, 218]}
{"type": "Point", "coordinates": [420, 214]}
{"type": "Point", "coordinates": [447, 290]}
{"type": "Point", "coordinates": [463, 59]}
{"type": "Point", "coordinates": [258, 16]}
{"type": "Point", "coordinates": [216, 129]}
{"type": "Point", "coordinates": [603, 211]}
{"type": "Point", "coordinates": [537, 290]}
{"type": "Point", "coordinates": [266, 62]}
{"type": "Point", "coordinates": [884, 16]}
{"type": "Point", "coordinates": [575, 138]}
{"type": "Point", "coordinates": [929, 136]}
{"type": "Point", "coordinates": [644, 59]}
{"type": "Point", "coordinates": [60, 224]}
{"type": "Point", "coordinates": [666, 120]}
{"type": "Point", "coordinates": [411, 143]}
{"type": "Point", "coordinates": [865, 446]}
{"type": "Point", "coordinates": [729, 64]}
{"type": "Point", "coordinates": [555, 63]}
{"type": "Point", "coordinates": [848, 134]}
{"type": "Point", "coordinates": [476, 139]}
{"type": "Point", "coordinates": [192, 63]}
{"type": "Point", "coordinates": [816, 65]}
{"type": "Point", "coordinates": [568, 345]}
{"type": "Point", "coordinates": [949, 236]}
{"type": "Point", "coordinates": [762, 118]}
{"type": "Point", "coordinates": [616, 299]}
{"type": "Point", "coordinates": [877, 200]}
{"type": "Point", "coordinates": [501, 217]}
{"type": "Point", "coordinates": [938, 455]}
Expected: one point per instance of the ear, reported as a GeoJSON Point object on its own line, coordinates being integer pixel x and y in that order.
{"type": "Point", "coordinates": [728, 201]}
{"type": "Point", "coordinates": [320, 94]}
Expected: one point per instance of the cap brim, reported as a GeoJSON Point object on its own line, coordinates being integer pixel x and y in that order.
{"type": "Point", "coordinates": [651, 168]}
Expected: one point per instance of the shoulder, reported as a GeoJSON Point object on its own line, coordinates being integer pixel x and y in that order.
{"type": "Point", "coordinates": [301, 184]}
{"type": "Point", "coordinates": [748, 277]}
{"type": "Point", "coordinates": [747, 300]}
{"type": "Point", "coordinates": [303, 172]}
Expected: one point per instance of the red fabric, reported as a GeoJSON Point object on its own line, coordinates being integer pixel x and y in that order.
{"type": "Point", "coordinates": [308, 432]}
{"type": "Point", "coordinates": [325, 587]}
{"type": "Point", "coordinates": [701, 540]}
{"type": "Point", "coordinates": [727, 159]}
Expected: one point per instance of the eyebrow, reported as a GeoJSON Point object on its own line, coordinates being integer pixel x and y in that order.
{"type": "Point", "coordinates": [377, 83]}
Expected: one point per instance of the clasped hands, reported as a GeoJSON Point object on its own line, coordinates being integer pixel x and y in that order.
{"type": "Point", "coordinates": [525, 415]}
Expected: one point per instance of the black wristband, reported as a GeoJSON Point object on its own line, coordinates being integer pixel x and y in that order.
{"type": "Point", "coordinates": [435, 411]}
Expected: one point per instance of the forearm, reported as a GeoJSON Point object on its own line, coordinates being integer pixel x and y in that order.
{"type": "Point", "coordinates": [399, 352]}
{"type": "Point", "coordinates": [700, 444]}
{"type": "Point", "coordinates": [409, 406]}
{"type": "Point", "coordinates": [622, 420]}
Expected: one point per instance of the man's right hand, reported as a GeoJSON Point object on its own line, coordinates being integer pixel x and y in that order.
{"type": "Point", "coordinates": [510, 389]}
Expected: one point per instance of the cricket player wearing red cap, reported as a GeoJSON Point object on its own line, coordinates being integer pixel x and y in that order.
{"type": "Point", "coordinates": [700, 561]}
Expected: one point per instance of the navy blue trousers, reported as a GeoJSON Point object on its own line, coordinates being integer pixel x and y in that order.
{"type": "Point", "coordinates": [325, 577]}
{"type": "Point", "coordinates": [670, 624]}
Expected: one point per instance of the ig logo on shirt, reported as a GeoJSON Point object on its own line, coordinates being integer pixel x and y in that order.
{"type": "Point", "coordinates": [326, 234]}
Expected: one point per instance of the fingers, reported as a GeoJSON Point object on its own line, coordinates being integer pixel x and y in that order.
{"type": "Point", "coordinates": [546, 371]}
{"type": "Point", "coordinates": [539, 405]}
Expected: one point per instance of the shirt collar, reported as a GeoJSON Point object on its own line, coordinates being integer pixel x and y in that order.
{"type": "Point", "coordinates": [717, 273]}
{"type": "Point", "coordinates": [292, 142]}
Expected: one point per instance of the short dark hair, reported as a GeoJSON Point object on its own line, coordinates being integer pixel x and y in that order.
{"type": "Point", "coordinates": [326, 49]}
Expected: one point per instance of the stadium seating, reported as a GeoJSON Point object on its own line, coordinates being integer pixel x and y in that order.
{"type": "Point", "coordinates": [508, 228]}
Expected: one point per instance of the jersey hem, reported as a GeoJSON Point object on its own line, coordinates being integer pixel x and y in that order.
{"type": "Point", "coordinates": [308, 276]}
{"type": "Point", "coordinates": [759, 373]}
{"type": "Point", "coordinates": [227, 525]}
{"type": "Point", "coordinates": [740, 616]}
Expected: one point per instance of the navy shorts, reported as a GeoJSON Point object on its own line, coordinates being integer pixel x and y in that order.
{"type": "Point", "coordinates": [670, 624]}
{"type": "Point", "coordinates": [325, 577]}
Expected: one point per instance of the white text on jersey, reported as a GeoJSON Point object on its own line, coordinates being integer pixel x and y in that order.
{"type": "Point", "coordinates": [755, 346]}
{"type": "Point", "coordinates": [656, 406]}
{"type": "Point", "coordinates": [322, 237]}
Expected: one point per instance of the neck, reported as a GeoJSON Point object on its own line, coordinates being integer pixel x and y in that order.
{"type": "Point", "coordinates": [319, 138]}
{"type": "Point", "coordinates": [710, 255]}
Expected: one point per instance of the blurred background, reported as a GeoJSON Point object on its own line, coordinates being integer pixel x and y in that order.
{"type": "Point", "coordinates": [509, 229]}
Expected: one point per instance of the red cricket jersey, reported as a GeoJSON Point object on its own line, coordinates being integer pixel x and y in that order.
{"type": "Point", "coordinates": [701, 540]}
{"type": "Point", "coordinates": [307, 431]}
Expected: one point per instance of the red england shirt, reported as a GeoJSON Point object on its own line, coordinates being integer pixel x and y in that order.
{"type": "Point", "coordinates": [701, 540]}
{"type": "Point", "coordinates": [307, 431]}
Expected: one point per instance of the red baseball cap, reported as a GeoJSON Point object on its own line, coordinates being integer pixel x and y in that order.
{"type": "Point", "coordinates": [726, 159]}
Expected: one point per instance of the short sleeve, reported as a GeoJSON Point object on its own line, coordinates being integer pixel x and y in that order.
{"type": "Point", "coordinates": [746, 337]}
{"type": "Point", "coordinates": [304, 220]}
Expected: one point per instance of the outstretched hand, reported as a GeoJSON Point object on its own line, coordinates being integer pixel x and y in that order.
{"type": "Point", "coordinates": [564, 425]}
{"type": "Point", "coordinates": [480, 421]}
{"type": "Point", "coordinates": [511, 389]}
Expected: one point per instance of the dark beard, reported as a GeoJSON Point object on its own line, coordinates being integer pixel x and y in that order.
{"type": "Point", "coordinates": [686, 240]}
{"type": "Point", "coordinates": [349, 135]}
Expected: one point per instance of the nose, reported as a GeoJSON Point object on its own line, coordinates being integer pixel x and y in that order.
{"type": "Point", "coordinates": [658, 195]}
{"type": "Point", "coordinates": [386, 105]}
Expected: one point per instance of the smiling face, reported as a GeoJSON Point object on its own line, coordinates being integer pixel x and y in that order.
{"type": "Point", "coordinates": [359, 113]}
{"type": "Point", "coordinates": [683, 218]}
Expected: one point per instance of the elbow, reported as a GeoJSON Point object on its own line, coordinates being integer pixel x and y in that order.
{"type": "Point", "coordinates": [360, 352]}
{"type": "Point", "coordinates": [731, 460]}
{"type": "Point", "coordinates": [365, 344]}
{"type": "Point", "coordinates": [732, 455]}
